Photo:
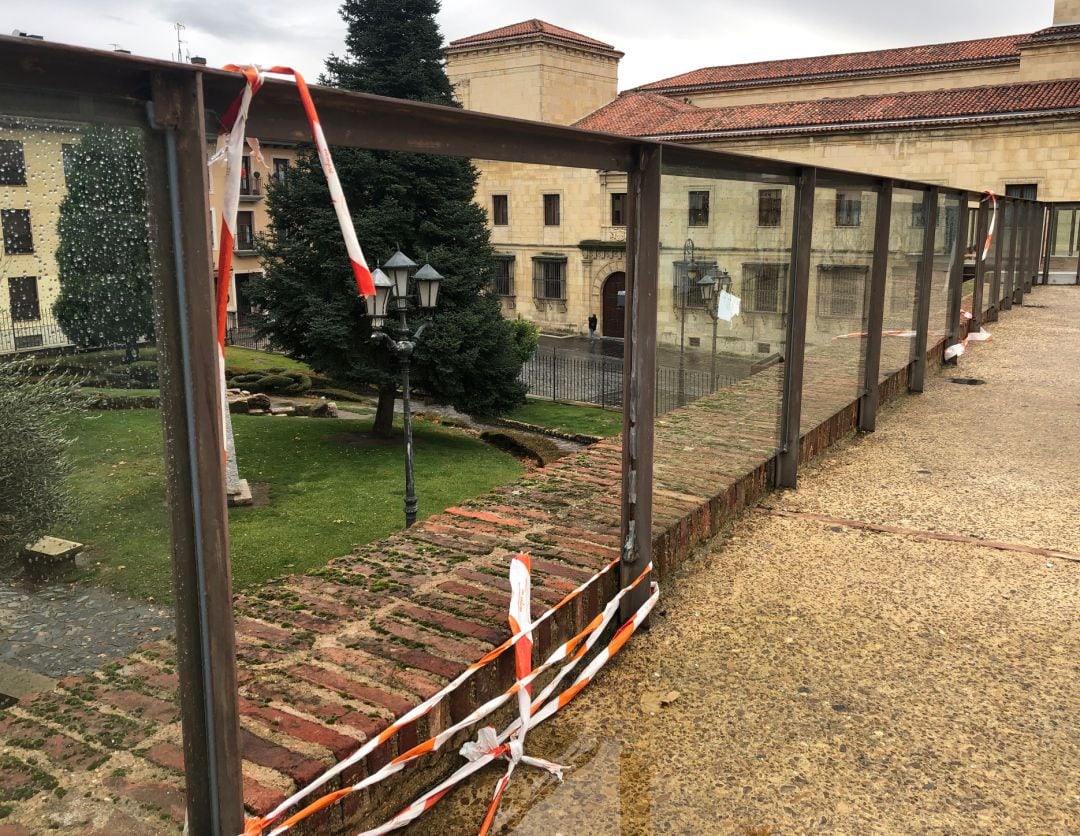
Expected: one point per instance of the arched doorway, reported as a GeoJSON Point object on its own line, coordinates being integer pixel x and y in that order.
{"type": "Point", "coordinates": [614, 313]}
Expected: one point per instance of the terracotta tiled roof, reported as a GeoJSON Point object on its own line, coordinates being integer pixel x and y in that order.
{"type": "Point", "coordinates": [1069, 32]}
{"type": "Point", "coordinates": [530, 29]}
{"type": "Point", "coordinates": [643, 114]}
{"type": "Point", "coordinates": [987, 50]}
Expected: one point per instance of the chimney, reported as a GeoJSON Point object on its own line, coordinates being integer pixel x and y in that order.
{"type": "Point", "coordinates": [1066, 12]}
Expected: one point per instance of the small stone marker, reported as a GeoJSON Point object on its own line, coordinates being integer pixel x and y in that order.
{"type": "Point", "coordinates": [242, 496]}
{"type": "Point", "coordinates": [52, 553]}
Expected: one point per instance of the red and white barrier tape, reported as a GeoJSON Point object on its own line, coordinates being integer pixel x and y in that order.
{"type": "Point", "coordinates": [257, 825]}
{"type": "Point", "coordinates": [993, 223]}
{"type": "Point", "coordinates": [510, 744]}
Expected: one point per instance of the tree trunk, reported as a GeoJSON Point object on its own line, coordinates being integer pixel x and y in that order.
{"type": "Point", "coordinates": [384, 412]}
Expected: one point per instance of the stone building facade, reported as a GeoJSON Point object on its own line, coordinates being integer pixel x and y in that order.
{"type": "Point", "coordinates": [993, 114]}
{"type": "Point", "coordinates": [33, 156]}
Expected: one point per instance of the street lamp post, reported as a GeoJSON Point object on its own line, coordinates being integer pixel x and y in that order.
{"type": "Point", "coordinates": [711, 284]}
{"type": "Point", "coordinates": [396, 285]}
{"type": "Point", "coordinates": [693, 270]}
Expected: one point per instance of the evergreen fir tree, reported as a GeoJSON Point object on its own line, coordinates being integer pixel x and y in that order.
{"type": "Point", "coordinates": [106, 288]}
{"type": "Point", "coordinates": [420, 203]}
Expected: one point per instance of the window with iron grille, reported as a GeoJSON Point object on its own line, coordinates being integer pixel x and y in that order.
{"type": "Point", "coordinates": [902, 282]}
{"type": "Point", "coordinates": [500, 210]}
{"type": "Point", "coordinates": [502, 278]}
{"type": "Point", "coordinates": [918, 214]}
{"type": "Point", "coordinates": [618, 209]}
{"type": "Point", "coordinates": [12, 163]}
{"type": "Point", "coordinates": [764, 286]}
{"type": "Point", "coordinates": [23, 299]}
{"type": "Point", "coordinates": [549, 277]}
{"type": "Point", "coordinates": [699, 209]}
{"type": "Point", "coordinates": [684, 285]}
{"type": "Point", "coordinates": [245, 231]}
{"type": "Point", "coordinates": [769, 201]}
{"type": "Point", "coordinates": [848, 208]}
{"type": "Point", "coordinates": [18, 238]}
{"type": "Point", "coordinates": [551, 210]}
{"type": "Point", "coordinates": [841, 290]}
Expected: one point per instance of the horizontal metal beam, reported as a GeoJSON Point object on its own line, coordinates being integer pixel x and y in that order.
{"type": "Point", "coordinates": [365, 121]}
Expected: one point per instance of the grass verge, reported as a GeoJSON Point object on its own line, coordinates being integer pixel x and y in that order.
{"type": "Point", "coordinates": [569, 418]}
{"type": "Point", "coordinates": [331, 487]}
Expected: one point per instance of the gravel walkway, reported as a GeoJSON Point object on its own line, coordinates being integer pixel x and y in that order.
{"type": "Point", "coordinates": [839, 680]}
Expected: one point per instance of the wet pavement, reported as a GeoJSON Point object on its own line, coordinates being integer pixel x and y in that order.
{"type": "Point", "coordinates": [835, 679]}
{"type": "Point", "coordinates": [58, 629]}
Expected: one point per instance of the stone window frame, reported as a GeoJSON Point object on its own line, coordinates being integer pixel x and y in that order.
{"type": "Point", "coordinates": [24, 308]}
{"type": "Point", "coordinates": [12, 162]}
{"type": "Point", "coordinates": [550, 277]}
{"type": "Point", "coordinates": [552, 206]}
{"type": "Point", "coordinates": [618, 214]}
{"type": "Point", "coordinates": [831, 275]}
{"type": "Point", "coordinates": [502, 198]}
{"type": "Point", "coordinates": [698, 216]}
{"type": "Point", "coordinates": [770, 207]}
{"type": "Point", "coordinates": [17, 231]}
{"type": "Point", "coordinates": [753, 273]}
{"type": "Point", "coordinates": [503, 284]}
{"type": "Point", "coordinates": [848, 208]}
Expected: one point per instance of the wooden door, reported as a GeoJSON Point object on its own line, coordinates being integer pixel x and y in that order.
{"type": "Point", "coordinates": [614, 314]}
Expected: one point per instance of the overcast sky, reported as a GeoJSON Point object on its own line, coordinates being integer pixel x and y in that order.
{"type": "Point", "coordinates": [660, 39]}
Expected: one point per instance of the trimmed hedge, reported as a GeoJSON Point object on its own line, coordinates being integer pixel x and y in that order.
{"type": "Point", "coordinates": [271, 382]}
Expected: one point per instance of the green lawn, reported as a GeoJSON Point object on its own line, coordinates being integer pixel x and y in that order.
{"type": "Point", "coordinates": [584, 420]}
{"type": "Point", "coordinates": [326, 496]}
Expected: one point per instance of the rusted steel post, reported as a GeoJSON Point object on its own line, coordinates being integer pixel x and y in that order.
{"type": "Point", "coordinates": [1022, 275]}
{"type": "Point", "coordinates": [956, 273]}
{"type": "Point", "coordinates": [1013, 285]}
{"type": "Point", "coordinates": [982, 228]}
{"type": "Point", "coordinates": [875, 317]}
{"type": "Point", "coordinates": [924, 281]}
{"type": "Point", "coordinates": [191, 414]}
{"type": "Point", "coordinates": [639, 372]}
{"type": "Point", "coordinates": [802, 237]}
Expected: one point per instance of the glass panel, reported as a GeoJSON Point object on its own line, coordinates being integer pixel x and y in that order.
{"type": "Point", "coordinates": [81, 460]}
{"type": "Point", "coordinates": [1008, 258]}
{"type": "Point", "coordinates": [720, 371]}
{"type": "Point", "coordinates": [991, 260]}
{"type": "Point", "coordinates": [841, 260]}
{"type": "Point", "coordinates": [907, 227]}
{"type": "Point", "coordinates": [947, 249]}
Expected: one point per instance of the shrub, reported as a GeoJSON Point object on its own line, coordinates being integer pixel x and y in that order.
{"type": "Point", "coordinates": [33, 463]}
{"type": "Point", "coordinates": [526, 336]}
{"type": "Point", "coordinates": [144, 372]}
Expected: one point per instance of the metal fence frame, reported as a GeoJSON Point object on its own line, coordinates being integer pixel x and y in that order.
{"type": "Point", "coordinates": [61, 82]}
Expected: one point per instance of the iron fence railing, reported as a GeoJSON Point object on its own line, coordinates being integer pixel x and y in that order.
{"type": "Point", "coordinates": [17, 335]}
{"type": "Point", "coordinates": [569, 376]}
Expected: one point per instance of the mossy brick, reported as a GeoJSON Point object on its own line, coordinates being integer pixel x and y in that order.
{"type": "Point", "coordinates": [416, 684]}
{"type": "Point", "coordinates": [142, 706]}
{"type": "Point", "coordinates": [284, 722]}
{"type": "Point", "coordinates": [452, 624]}
{"type": "Point", "coordinates": [301, 768]}
{"type": "Point", "coordinates": [447, 668]}
{"type": "Point", "coordinates": [382, 698]}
